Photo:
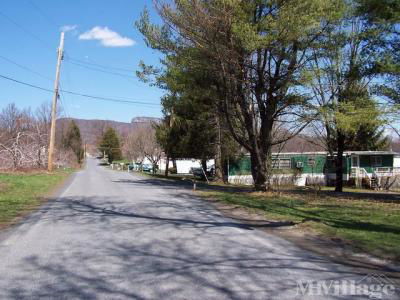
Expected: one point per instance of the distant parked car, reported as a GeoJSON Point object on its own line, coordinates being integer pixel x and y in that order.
{"type": "Point", "coordinates": [147, 168]}
{"type": "Point", "coordinates": [198, 172]}
{"type": "Point", "coordinates": [134, 167]}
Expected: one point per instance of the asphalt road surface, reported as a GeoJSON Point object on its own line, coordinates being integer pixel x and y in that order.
{"type": "Point", "coordinates": [114, 235]}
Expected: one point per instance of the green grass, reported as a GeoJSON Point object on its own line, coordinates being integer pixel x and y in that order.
{"type": "Point", "coordinates": [122, 161]}
{"type": "Point", "coordinates": [370, 226]}
{"type": "Point", "coordinates": [22, 192]}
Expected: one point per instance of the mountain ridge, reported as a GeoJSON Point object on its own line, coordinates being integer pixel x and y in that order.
{"type": "Point", "coordinates": [92, 129]}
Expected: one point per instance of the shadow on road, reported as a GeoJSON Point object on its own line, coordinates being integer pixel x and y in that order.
{"type": "Point", "coordinates": [113, 252]}
{"type": "Point", "coordinates": [186, 184]}
{"type": "Point", "coordinates": [173, 248]}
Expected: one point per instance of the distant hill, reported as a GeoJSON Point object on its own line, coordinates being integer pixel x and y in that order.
{"type": "Point", "coordinates": [300, 143]}
{"type": "Point", "coordinates": [92, 130]}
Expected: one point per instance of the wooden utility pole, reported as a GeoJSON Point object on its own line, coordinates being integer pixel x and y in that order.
{"type": "Point", "coordinates": [54, 105]}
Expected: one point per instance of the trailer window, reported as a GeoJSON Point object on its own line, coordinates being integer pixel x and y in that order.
{"type": "Point", "coordinates": [282, 163]}
{"type": "Point", "coordinates": [355, 161]}
{"type": "Point", "coordinates": [376, 161]}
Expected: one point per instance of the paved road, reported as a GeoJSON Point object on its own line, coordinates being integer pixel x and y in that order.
{"type": "Point", "coordinates": [113, 235]}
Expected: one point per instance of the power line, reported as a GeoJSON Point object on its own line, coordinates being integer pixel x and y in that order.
{"type": "Point", "coordinates": [62, 97]}
{"type": "Point", "coordinates": [63, 102]}
{"type": "Point", "coordinates": [42, 13]}
{"type": "Point", "coordinates": [25, 83]}
{"type": "Point", "coordinates": [27, 31]}
{"type": "Point", "coordinates": [129, 78]}
{"type": "Point", "coordinates": [100, 70]}
{"type": "Point", "coordinates": [75, 61]}
{"type": "Point", "coordinates": [68, 84]}
{"type": "Point", "coordinates": [97, 64]}
{"type": "Point", "coordinates": [83, 63]}
{"type": "Point", "coordinates": [110, 99]}
{"type": "Point", "coordinates": [64, 105]}
{"type": "Point", "coordinates": [51, 48]}
{"type": "Point", "coordinates": [120, 100]}
{"type": "Point", "coordinates": [25, 68]}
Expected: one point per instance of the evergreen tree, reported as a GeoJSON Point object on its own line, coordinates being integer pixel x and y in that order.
{"type": "Point", "coordinates": [110, 145]}
{"type": "Point", "coordinates": [385, 15]}
{"type": "Point", "coordinates": [370, 134]}
{"type": "Point", "coordinates": [350, 55]}
{"type": "Point", "coordinates": [73, 141]}
{"type": "Point", "coordinates": [193, 125]}
{"type": "Point", "coordinates": [255, 51]}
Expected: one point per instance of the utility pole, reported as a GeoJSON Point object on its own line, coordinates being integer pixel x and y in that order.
{"type": "Point", "coordinates": [54, 105]}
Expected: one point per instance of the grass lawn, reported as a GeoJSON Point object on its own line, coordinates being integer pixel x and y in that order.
{"type": "Point", "coordinates": [370, 225]}
{"type": "Point", "coordinates": [22, 192]}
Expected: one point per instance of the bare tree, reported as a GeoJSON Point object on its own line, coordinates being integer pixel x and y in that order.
{"type": "Point", "coordinates": [24, 137]}
{"type": "Point", "coordinates": [14, 124]}
{"type": "Point", "coordinates": [141, 143]}
{"type": "Point", "coordinates": [41, 129]}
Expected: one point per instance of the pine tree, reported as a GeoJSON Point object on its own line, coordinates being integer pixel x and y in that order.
{"type": "Point", "coordinates": [73, 141]}
{"type": "Point", "coordinates": [370, 134]}
{"type": "Point", "coordinates": [110, 145]}
{"type": "Point", "coordinates": [348, 57]}
{"type": "Point", "coordinates": [255, 52]}
{"type": "Point", "coordinates": [386, 14]}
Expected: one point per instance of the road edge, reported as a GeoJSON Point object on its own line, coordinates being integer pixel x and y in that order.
{"type": "Point", "coordinates": [34, 215]}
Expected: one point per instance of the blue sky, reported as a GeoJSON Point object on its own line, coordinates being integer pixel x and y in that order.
{"type": "Point", "coordinates": [100, 32]}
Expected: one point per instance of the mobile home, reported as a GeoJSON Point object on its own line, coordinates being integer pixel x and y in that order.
{"type": "Point", "coordinates": [319, 167]}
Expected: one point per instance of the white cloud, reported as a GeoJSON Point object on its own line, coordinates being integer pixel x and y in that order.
{"type": "Point", "coordinates": [107, 37]}
{"type": "Point", "coordinates": [67, 28]}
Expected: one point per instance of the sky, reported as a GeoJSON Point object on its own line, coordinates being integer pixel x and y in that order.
{"type": "Point", "coordinates": [97, 32]}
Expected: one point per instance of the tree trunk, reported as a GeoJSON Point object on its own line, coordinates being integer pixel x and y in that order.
{"type": "Point", "coordinates": [39, 159]}
{"type": "Point", "coordinates": [218, 154]}
{"type": "Point", "coordinates": [154, 168]}
{"type": "Point", "coordinates": [174, 165]}
{"type": "Point", "coordinates": [339, 163]}
{"type": "Point", "coordinates": [167, 166]}
{"type": "Point", "coordinates": [225, 170]}
{"type": "Point", "coordinates": [219, 176]}
{"type": "Point", "coordinates": [204, 165]}
{"type": "Point", "coordinates": [268, 171]}
{"type": "Point", "coordinates": [259, 171]}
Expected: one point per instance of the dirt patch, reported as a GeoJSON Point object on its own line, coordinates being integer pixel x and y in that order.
{"type": "Point", "coordinates": [248, 216]}
{"type": "Point", "coordinates": [4, 187]}
{"type": "Point", "coordinates": [24, 171]}
{"type": "Point", "coordinates": [303, 236]}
